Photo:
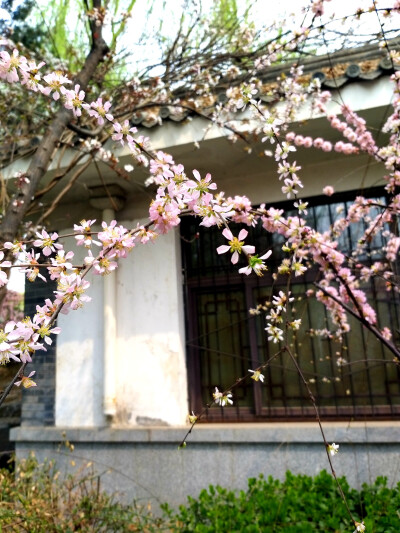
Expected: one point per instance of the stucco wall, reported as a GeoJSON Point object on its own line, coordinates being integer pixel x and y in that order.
{"type": "Point", "coordinates": [149, 358]}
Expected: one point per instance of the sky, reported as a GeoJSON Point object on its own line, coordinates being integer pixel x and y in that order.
{"type": "Point", "coordinates": [16, 281]}
{"type": "Point", "coordinates": [263, 13]}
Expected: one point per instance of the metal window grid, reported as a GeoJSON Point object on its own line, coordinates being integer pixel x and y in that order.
{"type": "Point", "coordinates": [224, 340]}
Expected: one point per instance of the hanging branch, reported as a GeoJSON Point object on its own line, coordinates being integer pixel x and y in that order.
{"type": "Point", "coordinates": [363, 321]}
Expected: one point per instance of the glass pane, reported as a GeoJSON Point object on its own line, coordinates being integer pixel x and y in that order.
{"type": "Point", "coordinates": [224, 349]}
{"type": "Point", "coordinates": [230, 341]}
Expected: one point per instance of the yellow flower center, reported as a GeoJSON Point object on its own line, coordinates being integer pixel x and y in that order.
{"type": "Point", "coordinates": [44, 331]}
{"type": "Point", "coordinates": [202, 186]}
{"type": "Point", "coordinates": [236, 245]}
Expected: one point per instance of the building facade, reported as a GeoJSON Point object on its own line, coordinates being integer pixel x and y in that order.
{"type": "Point", "coordinates": [172, 323]}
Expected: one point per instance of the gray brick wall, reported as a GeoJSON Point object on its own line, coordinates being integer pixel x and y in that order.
{"type": "Point", "coordinates": [38, 402]}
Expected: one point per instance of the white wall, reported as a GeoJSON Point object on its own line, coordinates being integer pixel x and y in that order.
{"type": "Point", "coordinates": [151, 386]}
{"type": "Point", "coordinates": [79, 363]}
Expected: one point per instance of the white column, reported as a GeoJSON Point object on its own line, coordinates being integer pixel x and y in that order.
{"type": "Point", "coordinates": [79, 363]}
{"type": "Point", "coordinates": [152, 376]}
{"type": "Point", "coordinates": [109, 335]}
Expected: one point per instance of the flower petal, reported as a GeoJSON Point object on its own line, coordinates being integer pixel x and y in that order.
{"type": "Point", "coordinates": [243, 234]}
{"type": "Point", "coordinates": [248, 249]}
{"type": "Point", "coordinates": [266, 255]}
{"type": "Point", "coordinates": [223, 249]}
{"type": "Point", "coordinates": [196, 174]}
{"type": "Point", "coordinates": [227, 234]}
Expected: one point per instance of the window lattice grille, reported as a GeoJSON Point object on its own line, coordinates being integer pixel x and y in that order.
{"type": "Point", "coordinates": [224, 341]}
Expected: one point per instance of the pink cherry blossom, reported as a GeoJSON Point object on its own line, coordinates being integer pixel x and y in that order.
{"type": "Point", "coordinates": [26, 381]}
{"type": "Point", "coordinates": [236, 245]}
{"type": "Point", "coordinates": [74, 99]}
{"type": "Point", "coordinates": [328, 190]}
{"type": "Point", "coordinates": [123, 132]}
{"type": "Point", "coordinates": [71, 290]}
{"type": "Point", "coordinates": [99, 110]}
{"type": "Point", "coordinates": [55, 81]}
{"type": "Point", "coordinates": [256, 264]}
{"type": "Point", "coordinates": [47, 242]}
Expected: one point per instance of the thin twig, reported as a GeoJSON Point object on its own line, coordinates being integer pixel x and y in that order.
{"type": "Point", "coordinates": [314, 403]}
{"type": "Point", "coordinates": [7, 390]}
{"type": "Point", "coordinates": [238, 382]}
{"type": "Point", "coordinates": [364, 322]}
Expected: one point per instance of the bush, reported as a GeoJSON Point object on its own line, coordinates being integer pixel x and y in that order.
{"type": "Point", "coordinates": [35, 499]}
{"type": "Point", "coordinates": [300, 504]}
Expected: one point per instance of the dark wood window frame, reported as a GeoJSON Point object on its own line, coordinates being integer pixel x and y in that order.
{"type": "Point", "coordinates": [212, 283]}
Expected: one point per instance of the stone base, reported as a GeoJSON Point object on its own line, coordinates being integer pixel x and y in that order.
{"type": "Point", "coordinates": [145, 463]}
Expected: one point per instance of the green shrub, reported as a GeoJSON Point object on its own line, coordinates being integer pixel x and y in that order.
{"type": "Point", "coordinates": [300, 504]}
{"type": "Point", "coordinates": [35, 499]}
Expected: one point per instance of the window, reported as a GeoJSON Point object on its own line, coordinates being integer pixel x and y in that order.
{"type": "Point", "coordinates": [224, 340]}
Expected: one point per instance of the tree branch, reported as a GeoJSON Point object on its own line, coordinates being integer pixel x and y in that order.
{"type": "Point", "coordinates": [363, 321]}
{"type": "Point", "coordinates": [40, 162]}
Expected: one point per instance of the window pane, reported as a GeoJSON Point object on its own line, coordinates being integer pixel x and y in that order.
{"type": "Point", "coordinates": [227, 341]}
